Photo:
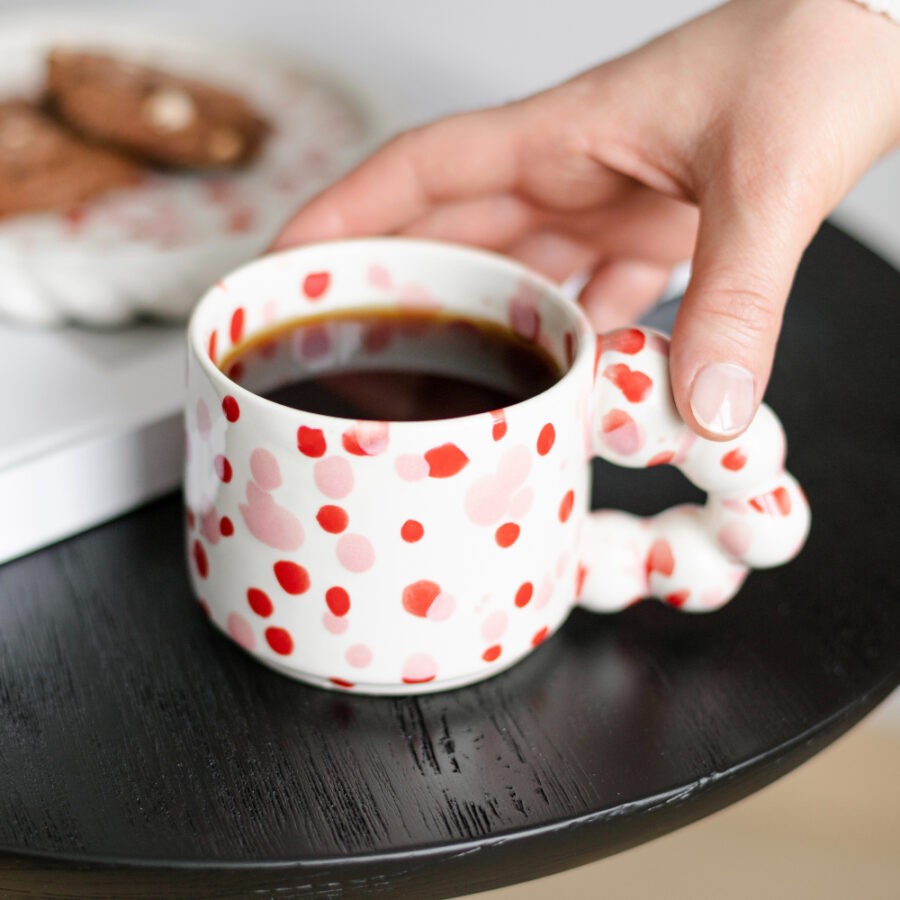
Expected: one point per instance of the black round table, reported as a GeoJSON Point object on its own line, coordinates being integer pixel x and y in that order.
{"type": "Point", "coordinates": [144, 755]}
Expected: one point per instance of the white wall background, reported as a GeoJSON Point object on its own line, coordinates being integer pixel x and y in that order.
{"type": "Point", "coordinates": [438, 56]}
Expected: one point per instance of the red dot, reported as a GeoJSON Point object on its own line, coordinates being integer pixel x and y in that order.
{"type": "Point", "coordinates": [777, 502]}
{"type": "Point", "coordinates": [236, 330]}
{"type": "Point", "coordinates": [734, 460]}
{"type": "Point", "coordinates": [565, 506]}
{"type": "Point", "coordinates": [235, 371]}
{"type": "Point", "coordinates": [660, 559]}
{"type": "Point", "coordinates": [677, 598]}
{"type": "Point", "coordinates": [230, 407]}
{"type": "Point", "coordinates": [189, 515]}
{"type": "Point", "coordinates": [418, 597]}
{"type": "Point", "coordinates": [661, 459]}
{"type": "Point", "coordinates": [226, 526]}
{"type": "Point", "coordinates": [333, 519]}
{"type": "Point", "coordinates": [539, 636]}
{"type": "Point", "coordinates": [315, 284]}
{"type": "Point", "coordinates": [223, 468]}
{"type": "Point", "coordinates": [311, 441]}
{"type": "Point", "coordinates": [341, 682]}
{"type": "Point", "coordinates": [635, 385]}
{"type": "Point", "coordinates": [411, 531]}
{"type": "Point", "coordinates": [338, 601]}
{"type": "Point", "coordinates": [499, 429]}
{"type": "Point", "coordinates": [279, 640]}
{"type": "Point", "coordinates": [491, 653]}
{"type": "Point", "coordinates": [524, 594]}
{"type": "Point", "coordinates": [293, 579]}
{"type": "Point", "coordinates": [580, 575]}
{"type": "Point", "coordinates": [445, 461]}
{"type": "Point", "coordinates": [507, 534]}
{"type": "Point", "coordinates": [259, 602]}
{"type": "Point", "coordinates": [211, 347]}
{"type": "Point", "coordinates": [423, 680]}
{"type": "Point", "coordinates": [546, 439]}
{"type": "Point", "coordinates": [626, 340]}
{"type": "Point", "coordinates": [200, 559]}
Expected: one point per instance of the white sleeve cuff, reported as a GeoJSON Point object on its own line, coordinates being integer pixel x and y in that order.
{"type": "Point", "coordinates": [890, 8]}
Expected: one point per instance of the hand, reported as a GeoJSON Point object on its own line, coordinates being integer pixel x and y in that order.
{"type": "Point", "coordinates": [728, 139]}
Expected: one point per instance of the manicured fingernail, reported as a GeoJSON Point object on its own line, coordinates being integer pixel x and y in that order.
{"type": "Point", "coordinates": [722, 398]}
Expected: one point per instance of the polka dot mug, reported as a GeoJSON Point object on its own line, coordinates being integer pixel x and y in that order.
{"type": "Point", "coordinates": [404, 557]}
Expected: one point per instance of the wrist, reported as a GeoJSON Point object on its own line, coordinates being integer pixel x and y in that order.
{"type": "Point", "coordinates": [880, 20]}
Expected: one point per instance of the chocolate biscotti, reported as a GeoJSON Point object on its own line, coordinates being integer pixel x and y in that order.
{"type": "Point", "coordinates": [157, 116]}
{"type": "Point", "coordinates": [43, 166]}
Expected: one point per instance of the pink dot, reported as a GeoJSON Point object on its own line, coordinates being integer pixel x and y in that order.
{"type": "Point", "coordinates": [358, 656]}
{"type": "Point", "coordinates": [379, 277]}
{"type": "Point", "coordinates": [621, 433]}
{"type": "Point", "coordinates": [520, 503]}
{"type": "Point", "coordinates": [411, 467]}
{"type": "Point", "coordinates": [204, 420]}
{"type": "Point", "coordinates": [355, 552]}
{"type": "Point", "coordinates": [334, 477]}
{"type": "Point", "coordinates": [544, 593]}
{"type": "Point", "coordinates": [264, 469]}
{"type": "Point", "coordinates": [735, 537]}
{"type": "Point", "coordinates": [335, 624]}
{"type": "Point", "coordinates": [442, 608]}
{"type": "Point", "coordinates": [494, 626]}
{"type": "Point", "coordinates": [240, 631]}
{"type": "Point", "coordinates": [418, 668]}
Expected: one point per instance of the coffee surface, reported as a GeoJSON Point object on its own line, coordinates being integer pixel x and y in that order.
{"type": "Point", "coordinates": [392, 365]}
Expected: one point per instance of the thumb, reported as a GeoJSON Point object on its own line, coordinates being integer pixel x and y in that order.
{"type": "Point", "coordinates": [724, 337]}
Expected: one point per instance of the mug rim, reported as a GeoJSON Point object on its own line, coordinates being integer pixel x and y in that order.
{"type": "Point", "coordinates": [583, 330]}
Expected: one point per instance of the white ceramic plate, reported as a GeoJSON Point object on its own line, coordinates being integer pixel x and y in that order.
{"type": "Point", "coordinates": [154, 248]}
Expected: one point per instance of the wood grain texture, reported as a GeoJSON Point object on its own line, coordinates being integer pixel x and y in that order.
{"type": "Point", "coordinates": [143, 755]}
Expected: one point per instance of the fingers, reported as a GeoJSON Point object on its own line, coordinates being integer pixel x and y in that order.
{"type": "Point", "coordinates": [492, 222]}
{"type": "Point", "coordinates": [556, 256]}
{"type": "Point", "coordinates": [454, 159]}
{"type": "Point", "coordinates": [620, 292]}
{"type": "Point", "coordinates": [727, 327]}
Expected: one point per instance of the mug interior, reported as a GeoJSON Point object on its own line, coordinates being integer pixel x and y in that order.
{"type": "Point", "coordinates": [315, 281]}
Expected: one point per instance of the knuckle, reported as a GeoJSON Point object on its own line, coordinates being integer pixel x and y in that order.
{"type": "Point", "coordinates": [747, 314]}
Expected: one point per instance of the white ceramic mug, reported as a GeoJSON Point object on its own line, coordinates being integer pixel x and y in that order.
{"type": "Point", "coordinates": [402, 557]}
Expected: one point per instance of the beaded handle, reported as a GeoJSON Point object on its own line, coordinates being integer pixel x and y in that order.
{"type": "Point", "coordinates": [691, 557]}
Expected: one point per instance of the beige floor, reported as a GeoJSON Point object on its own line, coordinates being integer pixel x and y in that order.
{"type": "Point", "coordinates": [830, 830]}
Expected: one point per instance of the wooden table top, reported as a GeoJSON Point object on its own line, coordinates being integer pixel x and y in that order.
{"type": "Point", "coordinates": [144, 755]}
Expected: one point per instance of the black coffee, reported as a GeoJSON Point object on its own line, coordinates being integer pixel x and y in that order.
{"type": "Point", "coordinates": [389, 364]}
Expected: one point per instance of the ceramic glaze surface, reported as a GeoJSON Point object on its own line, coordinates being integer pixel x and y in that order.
{"type": "Point", "coordinates": [400, 557]}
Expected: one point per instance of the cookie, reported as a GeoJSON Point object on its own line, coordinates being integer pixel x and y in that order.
{"type": "Point", "coordinates": [157, 116]}
{"type": "Point", "coordinates": [43, 166]}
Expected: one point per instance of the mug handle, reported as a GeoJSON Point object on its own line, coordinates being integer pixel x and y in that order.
{"type": "Point", "coordinates": [691, 557]}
